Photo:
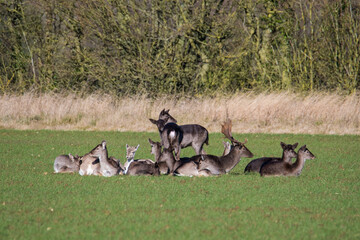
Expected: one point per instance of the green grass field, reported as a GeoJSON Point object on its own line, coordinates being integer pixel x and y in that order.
{"type": "Point", "coordinates": [323, 203]}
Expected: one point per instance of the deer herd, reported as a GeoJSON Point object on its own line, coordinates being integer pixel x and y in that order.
{"type": "Point", "coordinates": [166, 153]}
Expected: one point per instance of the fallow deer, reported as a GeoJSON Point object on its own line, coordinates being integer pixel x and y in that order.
{"type": "Point", "coordinates": [280, 168]}
{"type": "Point", "coordinates": [175, 137]}
{"type": "Point", "coordinates": [108, 166]}
{"type": "Point", "coordinates": [67, 163]}
{"type": "Point", "coordinates": [288, 154]}
{"type": "Point", "coordinates": [138, 166]}
{"type": "Point", "coordinates": [221, 165]}
{"type": "Point", "coordinates": [90, 165]}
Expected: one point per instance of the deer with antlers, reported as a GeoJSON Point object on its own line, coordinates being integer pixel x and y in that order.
{"type": "Point", "coordinates": [214, 165]}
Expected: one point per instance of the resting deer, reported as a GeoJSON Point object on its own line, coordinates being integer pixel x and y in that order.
{"type": "Point", "coordinates": [288, 154]}
{"type": "Point", "coordinates": [108, 166]}
{"type": "Point", "coordinates": [280, 168]}
{"type": "Point", "coordinates": [67, 163]}
{"type": "Point", "coordinates": [165, 158]}
{"type": "Point", "coordinates": [90, 165]}
{"type": "Point", "coordinates": [221, 165]}
{"type": "Point", "coordinates": [138, 166]}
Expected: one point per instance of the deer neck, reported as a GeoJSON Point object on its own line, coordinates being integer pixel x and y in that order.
{"type": "Point", "coordinates": [286, 157]}
{"type": "Point", "coordinates": [158, 155]}
{"type": "Point", "coordinates": [230, 160]}
{"type": "Point", "coordinates": [299, 163]}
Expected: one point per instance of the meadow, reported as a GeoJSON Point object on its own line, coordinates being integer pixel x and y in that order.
{"type": "Point", "coordinates": [322, 203]}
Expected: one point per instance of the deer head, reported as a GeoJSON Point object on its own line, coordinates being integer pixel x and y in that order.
{"type": "Point", "coordinates": [226, 130]}
{"type": "Point", "coordinates": [165, 115]}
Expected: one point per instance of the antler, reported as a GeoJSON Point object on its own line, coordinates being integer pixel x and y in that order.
{"type": "Point", "coordinates": [226, 130]}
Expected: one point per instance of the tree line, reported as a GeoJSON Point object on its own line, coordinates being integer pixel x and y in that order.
{"type": "Point", "coordinates": [185, 47]}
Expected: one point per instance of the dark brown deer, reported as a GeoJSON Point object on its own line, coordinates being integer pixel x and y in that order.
{"type": "Point", "coordinates": [288, 154]}
{"type": "Point", "coordinates": [220, 165]}
{"type": "Point", "coordinates": [108, 166]}
{"type": "Point", "coordinates": [67, 163]}
{"type": "Point", "coordinates": [174, 137]}
{"type": "Point", "coordinates": [280, 168]}
{"type": "Point", "coordinates": [165, 115]}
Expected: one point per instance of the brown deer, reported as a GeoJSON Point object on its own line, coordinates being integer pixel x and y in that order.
{"type": "Point", "coordinates": [67, 163]}
{"type": "Point", "coordinates": [134, 166]}
{"type": "Point", "coordinates": [220, 165]}
{"type": "Point", "coordinates": [280, 168]}
{"type": "Point", "coordinates": [174, 137]}
{"type": "Point", "coordinates": [185, 167]}
{"type": "Point", "coordinates": [90, 165]}
{"type": "Point", "coordinates": [288, 154]}
{"type": "Point", "coordinates": [108, 166]}
{"type": "Point", "coordinates": [165, 158]}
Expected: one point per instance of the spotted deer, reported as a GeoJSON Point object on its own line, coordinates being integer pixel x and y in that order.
{"type": "Point", "coordinates": [287, 155]}
{"type": "Point", "coordinates": [280, 168]}
{"type": "Point", "coordinates": [67, 163]}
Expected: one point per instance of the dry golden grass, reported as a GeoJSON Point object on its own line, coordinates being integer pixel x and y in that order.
{"type": "Point", "coordinates": [251, 113]}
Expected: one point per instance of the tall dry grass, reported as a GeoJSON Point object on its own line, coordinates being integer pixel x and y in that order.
{"type": "Point", "coordinates": [317, 113]}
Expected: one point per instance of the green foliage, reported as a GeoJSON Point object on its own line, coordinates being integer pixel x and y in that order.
{"type": "Point", "coordinates": [322, 203]}
{"type": "Point", "coordinates": [179, 47]}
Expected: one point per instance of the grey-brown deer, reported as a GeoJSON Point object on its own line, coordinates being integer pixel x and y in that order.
{"type": "Point", "coordinates": [220, 165]}
{"type": "Point", "coordinates": [139, 166]}
{"type": "Point", "coordinates": [174, 137]}
{"type": "Point", "coordinates": [287, 155]}
{"type": "Point", "coordinates": [90, 165]}
{"type": "Point", "coordinates": [280, 168]}
{"type": "Point", "coordinates": [67, 163]}
{"type": "Point", "coordinates": [108, 166]}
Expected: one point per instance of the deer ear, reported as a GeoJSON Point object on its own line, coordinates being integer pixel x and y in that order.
{"type": "Point", "coordinates": [103, 144]}
{"type": "Point", "coordinates": [127, 146]}
{"type": "Point", "coordinates": [283, 145]}
{"type": "Point", "coordinates": [294, 146]}
{"type": "Point", "coordinates": [153, 121]}
{"type": "Point", "coordinates": [137, 146]}
{"type": "Point", "coordinates": [71, 157]}
{"type": "Point", "coordinates": [151, 141]}
{"type": "Point", "coordinates": [167, 111]}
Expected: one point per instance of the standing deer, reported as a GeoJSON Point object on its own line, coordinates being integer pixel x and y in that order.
{"type": "Point", "coordinates": [221, 165]}
{"type": "Point", "coordinates": [108, 166]}
{"type": "Point", "coordinates": [288, 154]}
{"type": "Point", "coordinates": [174, 137]}
{"type": "Point", "coordinates": [280, 168]}
{"type": "Point", "coordinates": [67, 163]}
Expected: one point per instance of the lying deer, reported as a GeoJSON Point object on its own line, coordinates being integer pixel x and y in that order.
{"type": "Point", "coordinates": [67, 163]}
{"type": "Point", "coordinates": [288, 154]}
{"type": "Point", "coordinates": [108, 166]}
{"type": "Point", "coordinates": [220, 165]}
{"type": "Point", "coordinates": [280, 168]}
{"type": "Point", "coordinates": [90, 165]}
{"type": "Point", "coordinates": [139, 166]}
{"type": "Point", "coordinates": [185, 167]}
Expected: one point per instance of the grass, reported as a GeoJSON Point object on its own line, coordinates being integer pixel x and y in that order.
{"type": "Point", "coordinates": [323, 203]}
{"type": "Point", "coordinates": [286, 112]}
